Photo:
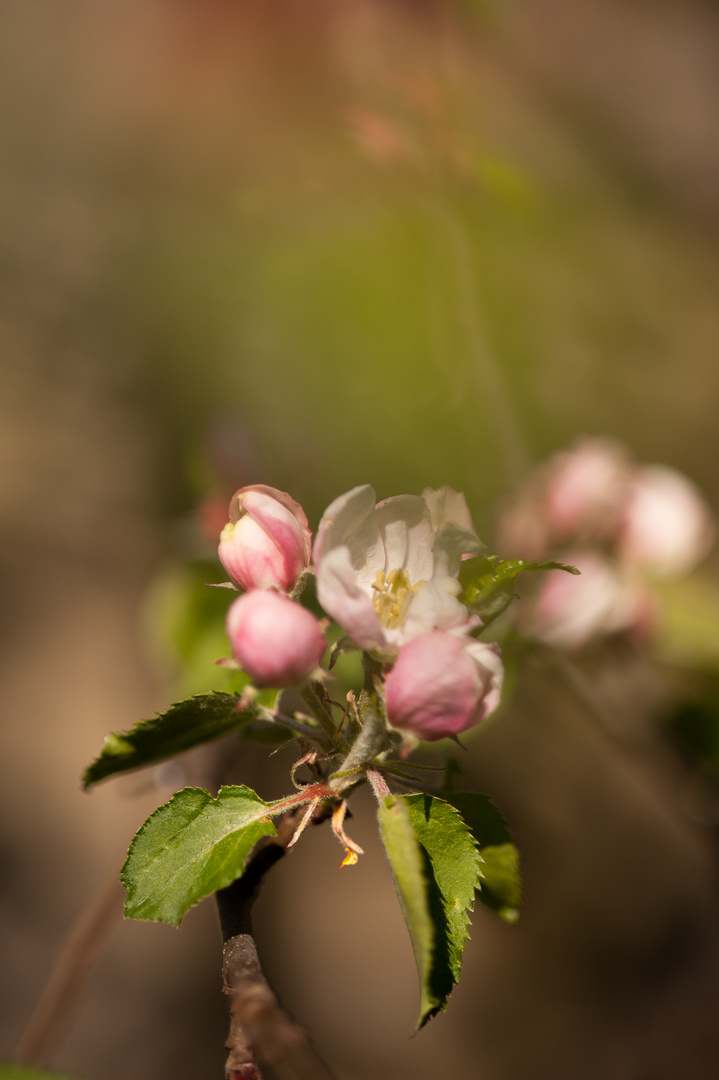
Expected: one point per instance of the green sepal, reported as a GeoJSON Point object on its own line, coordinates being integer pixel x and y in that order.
{"type": "Point", "coordinates": [435, 866]}
{"type": "Point", "coordinates": [501, 879]}
{"type": "Point", "coordinates": [190, 847]}
{"type": "Point", "coordinates": [185, 724]}
{"type": "Point", "coordinates": [490, 582]}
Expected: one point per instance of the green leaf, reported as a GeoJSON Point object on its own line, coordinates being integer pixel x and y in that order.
{"type": "Point", "coordinates": [411, 882]}
{"type": "Point", "coordinates": [184, 725]}
{"type": "Point", "coordinates": [190, 847]}
{"type": "Point", "coordinates": [10, 1071]}
{"type": "Point", "coordinates": [435, 866]}
{"type": "Point", "coordinates": [490, 582]}
{"type": "Point", "coordinates": [501, 880]}
{"type": "Point", "coordinates": [452, 853]}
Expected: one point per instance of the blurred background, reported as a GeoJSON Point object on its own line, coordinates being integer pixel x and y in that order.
{"type": "Point", "coordinates": [315, 244]}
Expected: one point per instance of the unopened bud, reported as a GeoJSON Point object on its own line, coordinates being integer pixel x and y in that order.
{"type": "Point", "coordinates": [274, 639]}
{"type": "Point", "coordinates": [443, 684]}
{"type": "Point", "coordinates": [569, 611]}
{"type": "Point", "coordinates": [586, 488]}
{"type": "Point", "coordinates": [267, 543]}
{"type": "Point", "coordinates": [667, 526]}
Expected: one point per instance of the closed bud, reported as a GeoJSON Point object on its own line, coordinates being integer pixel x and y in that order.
{"type": "Point", "coordinates": [568, 612]}
{"type": "Point", "coordinates": [667, 526]}
{"type": "Point", "coordinates": [274, 639]}
{"type": "Point", "coordinates": [267, 543]}
{"type": "Point", "coordinates": [586, 489]}
{"type": "Point", "coordinates": [443, 684]}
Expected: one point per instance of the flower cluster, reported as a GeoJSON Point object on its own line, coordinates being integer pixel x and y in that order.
{"type": "Point", "coordinates": [623, 525]}
{"type": "Point", "coordinates": [387, 572]}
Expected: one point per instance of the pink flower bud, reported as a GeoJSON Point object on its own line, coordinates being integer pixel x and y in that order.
{"type": "Point", "coordinates": [568, 611]}
{"type": "Point", "coordinates": [274, 639]}
{"type": "Point", "coordinates": [586, 488]}
{"type": "Point", "coordinates": [577, 496]}
{"type": "Point", "coordinates": [267, 543]}
{"type": "Point", "coordinates": [667, 526]}
{"type": "Point", "coordinates": [443, 684]}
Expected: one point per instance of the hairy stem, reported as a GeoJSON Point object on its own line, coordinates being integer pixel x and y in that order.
{"type": "Point", "coordinates": [378, 785]}
{"type": "Point", "coordinates": [372, 740]}
{"type": "Point", "coordinates": [315, 697]}
{"type": "Point", "coordinates": [260, 1029]}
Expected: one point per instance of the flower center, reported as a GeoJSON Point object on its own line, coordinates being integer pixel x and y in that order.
{"type": "Point", "coordinates": [393, 594]}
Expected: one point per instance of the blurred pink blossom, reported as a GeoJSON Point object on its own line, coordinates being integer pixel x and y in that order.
{"type": "Point", "coordinates": [667, 526]}
{"type": "Point", "coordinates": [586, 489]}
{"type": "Point", "coordinates": [624, 524]}
{"type": "Point", "coordinates": [576, 496]}
{"type": "Point", "coordinates": [568, 611]}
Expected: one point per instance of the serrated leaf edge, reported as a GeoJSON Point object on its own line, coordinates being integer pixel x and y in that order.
{"type": "Point", "coordinates": [468, 910]}
{"type": "Point", "coordinates": [240, 788]}
{"type": "Point", "coordinates": [246, 714]}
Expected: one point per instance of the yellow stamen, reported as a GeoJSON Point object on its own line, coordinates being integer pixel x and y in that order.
{"type": "Point", "coordinates": [393, 594]}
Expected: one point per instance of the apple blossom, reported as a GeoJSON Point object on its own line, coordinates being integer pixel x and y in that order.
{"type": "Point", "coordinates": [667, 527]}
{"type": "Point", "coordinates": [577, 496]}
{"type": "Point", "coordinates": [586, 488]}
{"type": "Point", "coordinates": [274, 639]}
{"type": "Point", "coordinates": [388, 571]}
{"type": "Point", "coordinates": [443, 684]}
{"type": "Point", "coordinates": [267, 543]}
{"type": "Point", "coordinates": [568, 611]}
{"type": "Point", "coordinates": [629, 523]}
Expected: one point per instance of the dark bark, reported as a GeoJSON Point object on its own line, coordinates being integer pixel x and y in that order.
{"type": "Point", "coordinates": [260, 1030]}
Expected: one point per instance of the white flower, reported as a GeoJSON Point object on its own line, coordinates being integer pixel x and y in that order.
{"type": "Point", "coordinates": [388, 572]}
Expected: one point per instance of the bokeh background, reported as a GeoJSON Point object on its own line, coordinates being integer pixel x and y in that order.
{"type": "Point", "coordinates": [314, 243]}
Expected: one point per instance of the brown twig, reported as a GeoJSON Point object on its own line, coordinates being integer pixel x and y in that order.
{"type": "Point", "coordinates": [67, 979]}
{"type": "Point", "coordinates": [260, 1030]}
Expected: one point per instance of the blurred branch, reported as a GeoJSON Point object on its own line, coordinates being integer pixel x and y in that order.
{"type": "Point", "coordinates": [260, 1029]}
{"type": "Point", "coordinates": [644, 758]}
{"type": "Point", "coordinates": [72, 969]}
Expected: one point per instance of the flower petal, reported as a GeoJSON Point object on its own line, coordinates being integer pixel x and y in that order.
{"type": "Point", "coordinates": [253, 559]}
{"type": "Point", "coordinates": [406, 528]}
{"type": "Point", "coordinates": [435, 607]}
{"type": "Point", "coordinates": [442, 685]}
{"type": "Point", "coordinates": [261, 500]}
{"type": "Point", "coordinates": [350, 521]}
{"type": "Point", "coordinates": [342, 597]}
{"type": "Point", "coordinates": [275, 639]}
{"type": "Point", "coordinates": [446, 504]}
{"type": "Point", "coordinates": [489, 659]}
{"type": "Point", "coordinates": [667, 527]}
{"type": "Point", "coordinates": [451, 543]}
